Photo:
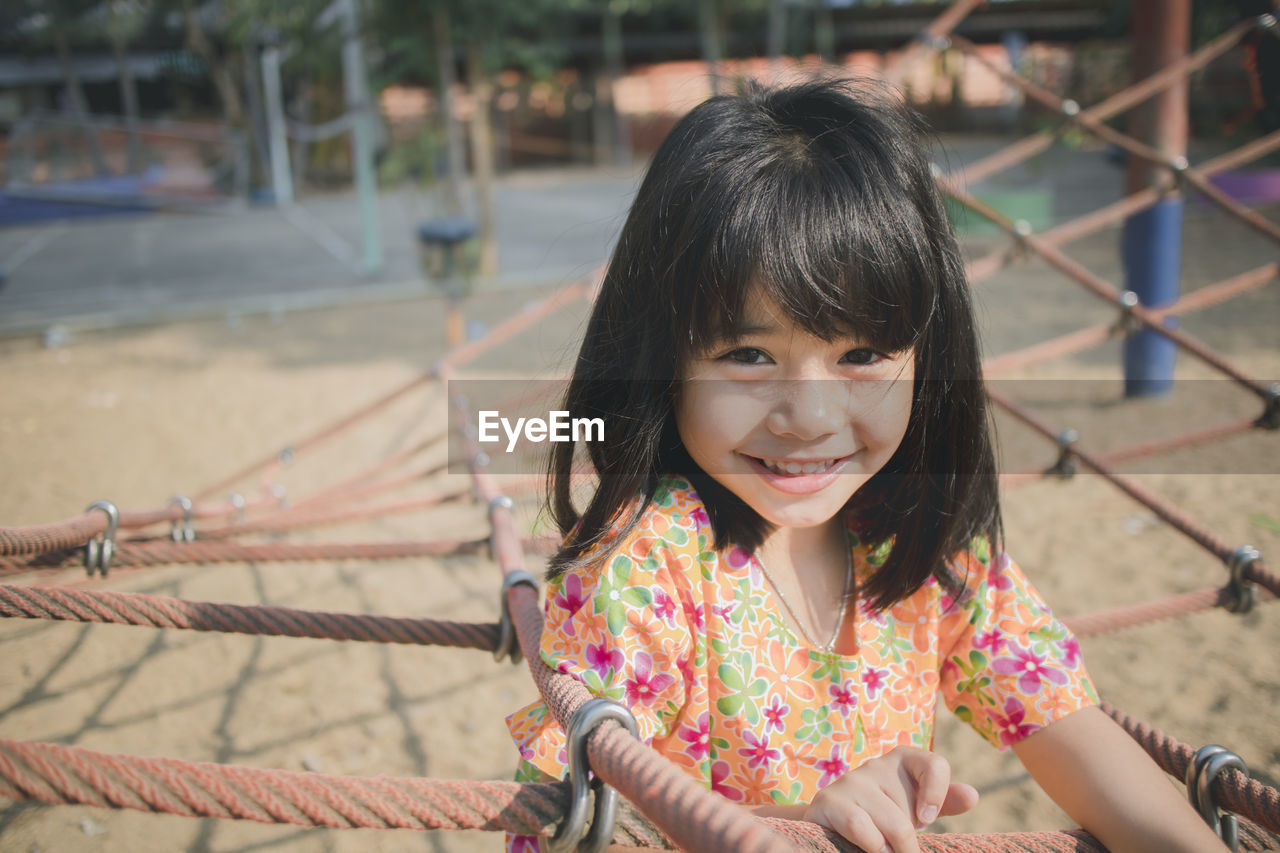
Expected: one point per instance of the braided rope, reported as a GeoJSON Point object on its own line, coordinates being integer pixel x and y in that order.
{"type": "Point", "coordinates": [164, 552]}
{"type": "Point", "coordinates": [1117, 619]}
{"type": "Point", "coordinates": [67, 774]}
{"type": "Point", "coordinates": [1201, 535]}
{"type": "Point", "coordinates": [1231, 789]}
{"type": "Point", "coordinates": [164, 612]}
{"type": "Point", "coordinates": [1117, 211]}
{"type": "Point", "coordinates": [1082, 339]}
{"type": "Point", "coordinates": [1026, 148]}
{"type": "Point", "coordinates": [1077, 272]}
{"type": "Point", "coordinates": [54, 773]}
{"type": "Point", "coordinates": [318, 437]}
{"type": "Point", "coordinates": [926, 45]}
{"type": "Point", "coordinates": [1139, 149]}
{"type": "Point", "coordinates": [323, 515]}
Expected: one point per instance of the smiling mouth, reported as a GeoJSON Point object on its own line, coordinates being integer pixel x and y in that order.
{"type": "Point", "coordinates": [797, 468]}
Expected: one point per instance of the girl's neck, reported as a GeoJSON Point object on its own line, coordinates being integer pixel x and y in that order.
{"type": "Point", "coordinates": [821, 546]}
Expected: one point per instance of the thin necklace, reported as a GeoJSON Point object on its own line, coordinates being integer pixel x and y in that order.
{"type": "Point", "coordinates": [844, 602]}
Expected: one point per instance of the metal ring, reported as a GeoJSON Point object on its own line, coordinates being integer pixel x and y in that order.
{"type": "Point", "coordinates": [1070, 107]}
{"type": "Point", "coordinates": [1270, 417]}
{"type": "Point", "coordinates": [508, 643]}
{"type": "Point", "coordinates": [937, 42]}
{"type": "Point", "coordinates": [1127, 323]}
{"type": "Point", "coordinates": [281, 494]}
{"type": "Point", "coordinates": [1244, 595]}
{"type": "Point", "coordinates": [572, 834]}
{"type": "Point", "coordinates": [1206, 765]}
{"type": "Point", "coordinates": [1267, 21]}
{"type": "Point", "coordinates": [480, 460]}
{"type": "Point", "coordinates": [183, 531]}
{"type": "Point", "coordinates": [286, 456]}
{"type": "Point", "coordinates": [1064, 467]}
{"type": "Point", "coordinates": [99, 551]}
{"type": "Point", "coordinates": [501, 501]}
{"type": "Point", "coordinates": [237, 500]}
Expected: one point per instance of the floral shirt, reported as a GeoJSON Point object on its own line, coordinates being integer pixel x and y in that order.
{"type": "Point", "coordinates": [694, 642]}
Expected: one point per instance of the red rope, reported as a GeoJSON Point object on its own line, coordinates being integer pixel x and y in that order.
{"type": "Point", "coordinates": [1232, 790]}
{"type": "Point", "coordinates": [53, 773]}
{"type": "Point", "coordinates": [1109, 621]}
{"type": "Point", "coordinates": [1102, 289]}
{"type": "Point", "coordinates": [1205, 538]}
{"type": "Point", "coordinates": [162, 552]}
{"type": "Point", "coordinates": [157, 611]}
{"type": "Point", "coordinates": [1029, 146]}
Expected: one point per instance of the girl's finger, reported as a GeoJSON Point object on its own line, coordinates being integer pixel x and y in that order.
{"type": "Point", "coordinates": [960, 798]}
{"type": "Point", "coordinates": [854, 824]}
{"type": "Point", "coordinates": [931, 775]}
{"type": "Point", "coordinates": [896, 827]}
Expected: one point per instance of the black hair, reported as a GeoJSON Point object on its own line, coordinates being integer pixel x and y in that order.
{"type": "Point", "coordinates": [822, 196]}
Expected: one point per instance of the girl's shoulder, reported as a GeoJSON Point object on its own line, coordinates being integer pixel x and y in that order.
{"type": "Point", "coordinates": [673, 532]}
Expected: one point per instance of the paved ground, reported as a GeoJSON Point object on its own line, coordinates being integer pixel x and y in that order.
{"type": "Point", "coordinates": [554, 226]}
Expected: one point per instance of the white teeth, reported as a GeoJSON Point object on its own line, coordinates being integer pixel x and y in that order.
{"type": "Point", "coordinates": [793, 468]}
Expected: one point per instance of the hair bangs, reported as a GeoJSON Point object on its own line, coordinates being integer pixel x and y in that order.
{"type": "Point", "coordinates": [831, 249]}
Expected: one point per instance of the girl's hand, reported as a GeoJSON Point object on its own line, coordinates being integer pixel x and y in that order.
{"type": "Point", "coordinates": [880, 805]}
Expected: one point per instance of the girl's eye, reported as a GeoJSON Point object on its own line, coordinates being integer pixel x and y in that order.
{"type": "Point", "coordinates": [862, 355]}
{"type": "Point", "coordinates": [746, 355]}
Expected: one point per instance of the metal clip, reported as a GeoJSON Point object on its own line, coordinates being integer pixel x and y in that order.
{"type": "Point", "coordinates": [1270, 417]}
{"type": "Point", "coordinates": [508, 643]}
{"type": "Point", "coordinates": [572, 834]}
{"type": "Point", "coordinates": [1126, 323]}
{"type": "Point", "coordinates": [239, 504]}
{"type": "Point", "coordinates": [937, 42]}
{"type": "Point", "coordinates": [1065, 467]}
{"type": "Point", "coordinates": [99, 550]}
{"type": "Point", "coordinates": [1205, 766]}
{"type": "Point", "coordinates": [1242, 591]}
{"type": "Point", "coordinates": [182, 531]}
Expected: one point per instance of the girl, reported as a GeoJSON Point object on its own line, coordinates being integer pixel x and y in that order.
{"type": "Point", "coordinates": [793, 549]}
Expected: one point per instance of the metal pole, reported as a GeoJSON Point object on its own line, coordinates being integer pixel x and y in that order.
{"type": "Point", "coordinates": [358, 102]}
{"type": "Point", "coordinates": [1152, 242]}
{"type": "Point", "coordinates": [277, 137]}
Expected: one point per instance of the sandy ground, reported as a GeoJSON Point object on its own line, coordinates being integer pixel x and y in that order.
{"type": "Point", "coordinates": [138, 415]}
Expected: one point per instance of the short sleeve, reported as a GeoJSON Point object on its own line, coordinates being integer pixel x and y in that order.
{"type": "Point", "coordinates": [1008, 667]}
{"type": "Point", "coordinates": [620, 629]}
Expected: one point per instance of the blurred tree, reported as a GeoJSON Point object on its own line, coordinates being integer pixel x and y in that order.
{"type": "Point", "coordinates": [124, 20]}
{"type": "Point", "coordinates": [59, 23]}
{"type": "Point", "coordinates": [493, 35]}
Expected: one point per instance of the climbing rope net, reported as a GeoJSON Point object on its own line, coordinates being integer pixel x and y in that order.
{"type": "Point", "coordinates": [663, 807]}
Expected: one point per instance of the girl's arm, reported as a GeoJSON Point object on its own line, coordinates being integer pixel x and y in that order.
{"type": "Point", "coordinates": [1101, 777]}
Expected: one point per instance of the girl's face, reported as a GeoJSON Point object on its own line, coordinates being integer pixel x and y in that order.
{"type": "Point", "coordinates": [792, 424]}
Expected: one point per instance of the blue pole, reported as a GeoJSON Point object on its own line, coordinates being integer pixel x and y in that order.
{"type": "Point", "coordinates": [1152, 252]}
{"type": "Point", "coordinates": [1152, 245]}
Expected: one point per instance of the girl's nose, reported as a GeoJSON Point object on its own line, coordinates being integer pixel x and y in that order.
{"type": "Point", "coordinates": [808, 409]}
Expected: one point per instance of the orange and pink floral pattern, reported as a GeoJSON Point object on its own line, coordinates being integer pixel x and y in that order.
{"type": "Point", "coordinates": [694, 642]}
